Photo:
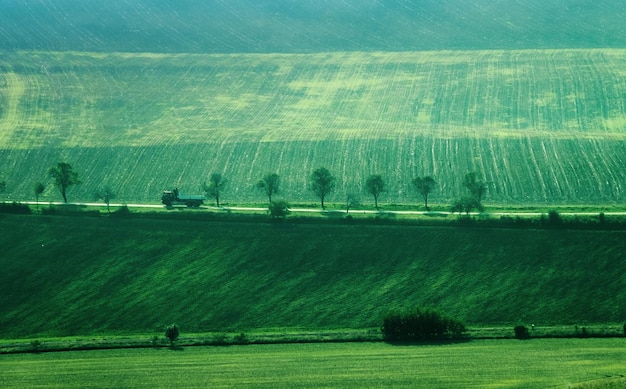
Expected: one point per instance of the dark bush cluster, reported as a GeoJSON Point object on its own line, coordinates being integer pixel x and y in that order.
{"type": "Point", "coordinates": [417, 324]}
{"type": "Point", "coordinates": [521, 332]}
{"type": "Point", "coordinates": [15, 208]}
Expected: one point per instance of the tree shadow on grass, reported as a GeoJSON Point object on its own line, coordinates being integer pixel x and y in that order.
{"type": "Point", "coordinates": [428, 342]}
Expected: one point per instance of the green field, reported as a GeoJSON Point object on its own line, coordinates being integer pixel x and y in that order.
{"type": "Point", "coordinates": [78, 276]}
{"type": "Point", "coordinates": [484, 364]}
{"type": "Point", "coordinates": [541, 126]}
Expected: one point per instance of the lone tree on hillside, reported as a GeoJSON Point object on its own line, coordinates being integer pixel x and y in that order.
{"type": "Point", "coordinates": [38, 189]}
{"type": "Point", "coordinates": [424, 185]}
{"type": "Point", "coordinates": [475, 185]}
{"type": "Point", "coordinates": [322, 183]}
{"type": "Point", "coordinates": [269, 184]}
{"type": "Point", "coordinates": [172, 333]}
{"type": "Point", "coordinates": [216, 184]}
{"type": "Point", "coordinates": [64, 176]}
{"type": "Point", "coordinates": [105, 194]}
{"type": "Point", "coordinates": [375, 185]}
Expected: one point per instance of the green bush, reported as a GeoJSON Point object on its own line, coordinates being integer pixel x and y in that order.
{"type": "Point", "coordinates": [521, 332]}
{"type": "Point", "coordinates": [417, 324]}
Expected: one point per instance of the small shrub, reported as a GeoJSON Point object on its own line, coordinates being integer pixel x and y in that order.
{"type": "Point", "coordinates": [584, 333]}
{"type": "Point", "coordinates": [220, 339]}
{"type": "Point", "coordinates": [521, 332]}
{"type": "Point", "coordinates": [419, 324]}
{"type": "Point", "coordinates": [279, 209]}
{"type": "Point", "coordinates": [35, 346]}
{"type": "Point", "coordinates": [241, 339]}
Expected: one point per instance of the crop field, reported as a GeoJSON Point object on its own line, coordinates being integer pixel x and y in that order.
{"type": "Point", "coordinates": [541, 126]}
{"type": "Point", "coordinates": [502, 364]}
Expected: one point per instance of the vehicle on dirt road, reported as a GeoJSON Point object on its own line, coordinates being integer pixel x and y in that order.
{"type": "Point", "coordinates": [172, 198]}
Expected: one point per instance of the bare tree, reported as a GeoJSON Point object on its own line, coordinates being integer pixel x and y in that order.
{"type": "Point", "coordinates": [214, 188]}
{"type": "Point", "coordinates": [105, 194]}
{"type": "Point", "coordinates": [64, 176]}
{"type": "Point", "coordinates": [424, 185]}
{"type": "Point", "coordinates": [475, 185]}
{"type": "Point", "coordinates": [38, 189]}
{"type": "Point", "coordinates": [375, 185]}
{"type": "Point", "coordinates": [352, 201]}
{"type": "Point", "coordinates": [269, 183]}
{"type": "Point", "coordinates": [322, 183]}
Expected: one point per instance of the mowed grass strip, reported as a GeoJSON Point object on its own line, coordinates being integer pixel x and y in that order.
{"type": "Point", "coordinates": [480, 364]}
{"type": "Point", "coordinates": [70, 276]}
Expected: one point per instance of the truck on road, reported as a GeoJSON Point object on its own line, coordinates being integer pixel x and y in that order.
{"type": "Point", "coordinates": [172, 198]}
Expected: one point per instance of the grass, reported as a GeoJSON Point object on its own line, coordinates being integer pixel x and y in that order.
{"type": "Point", "coordinates": [502, 363]}
{"type": "Point", "coordinates": [69, 276]}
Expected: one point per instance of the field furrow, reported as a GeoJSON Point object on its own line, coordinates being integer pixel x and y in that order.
{"type": "Point", "coordinates": [537, 125]}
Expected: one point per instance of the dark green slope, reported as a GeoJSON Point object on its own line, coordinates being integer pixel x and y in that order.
{"type": "Point", "coordinates": [73, 275]}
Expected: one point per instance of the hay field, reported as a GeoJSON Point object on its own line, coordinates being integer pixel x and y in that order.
{"type": "Point", "coordinates": [541, 126]}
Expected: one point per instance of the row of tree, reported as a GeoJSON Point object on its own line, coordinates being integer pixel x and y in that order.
{"type": "Point", "coordinates": [321, 182]}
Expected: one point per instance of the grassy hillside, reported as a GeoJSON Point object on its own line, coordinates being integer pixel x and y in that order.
{"type": "Point", "coordinates": [541, 126]}
{"type": "Point", "coordinates": [75, 275]}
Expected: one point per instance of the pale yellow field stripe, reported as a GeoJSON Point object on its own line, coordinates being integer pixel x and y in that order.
{"type": "Point", "coordinates": [10, 119]}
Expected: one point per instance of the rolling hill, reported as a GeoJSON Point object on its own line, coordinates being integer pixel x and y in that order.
{"type": "Point", "coordinates": [541, 126]}
{"type": "Point", "coordinates": [67, 276]}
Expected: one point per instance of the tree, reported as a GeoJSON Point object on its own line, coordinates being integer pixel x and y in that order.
{"type": "Point", "coordinates": [352, 201]}
{"type": "Point", "coordinates": [3, 186]}
{"type": "Point", "coordinates": [269, 183]}
{"type": "Point", "coordinates": [375, 185]}
{"type": "Point", "coordinates": [172, 333]}
{"type": "Point", "coordinates": [64, 176]}
{"type": "Point", "coordinates": [279, 209]}
{"type": "Point", "coordinates": [216, 184]}
{"type": "Point", "coordinates": [424, 185]}
{"type": "Point", "coordinates": [467, 205]}
{"type": "Point", "coordinates": [105, 194]}
{"type": "Point", "coordinates": [322, 183]}
{"type": "Point", "coordinates": [38, 189]}
{"type": "Point", "coordinates": [476, 186]}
